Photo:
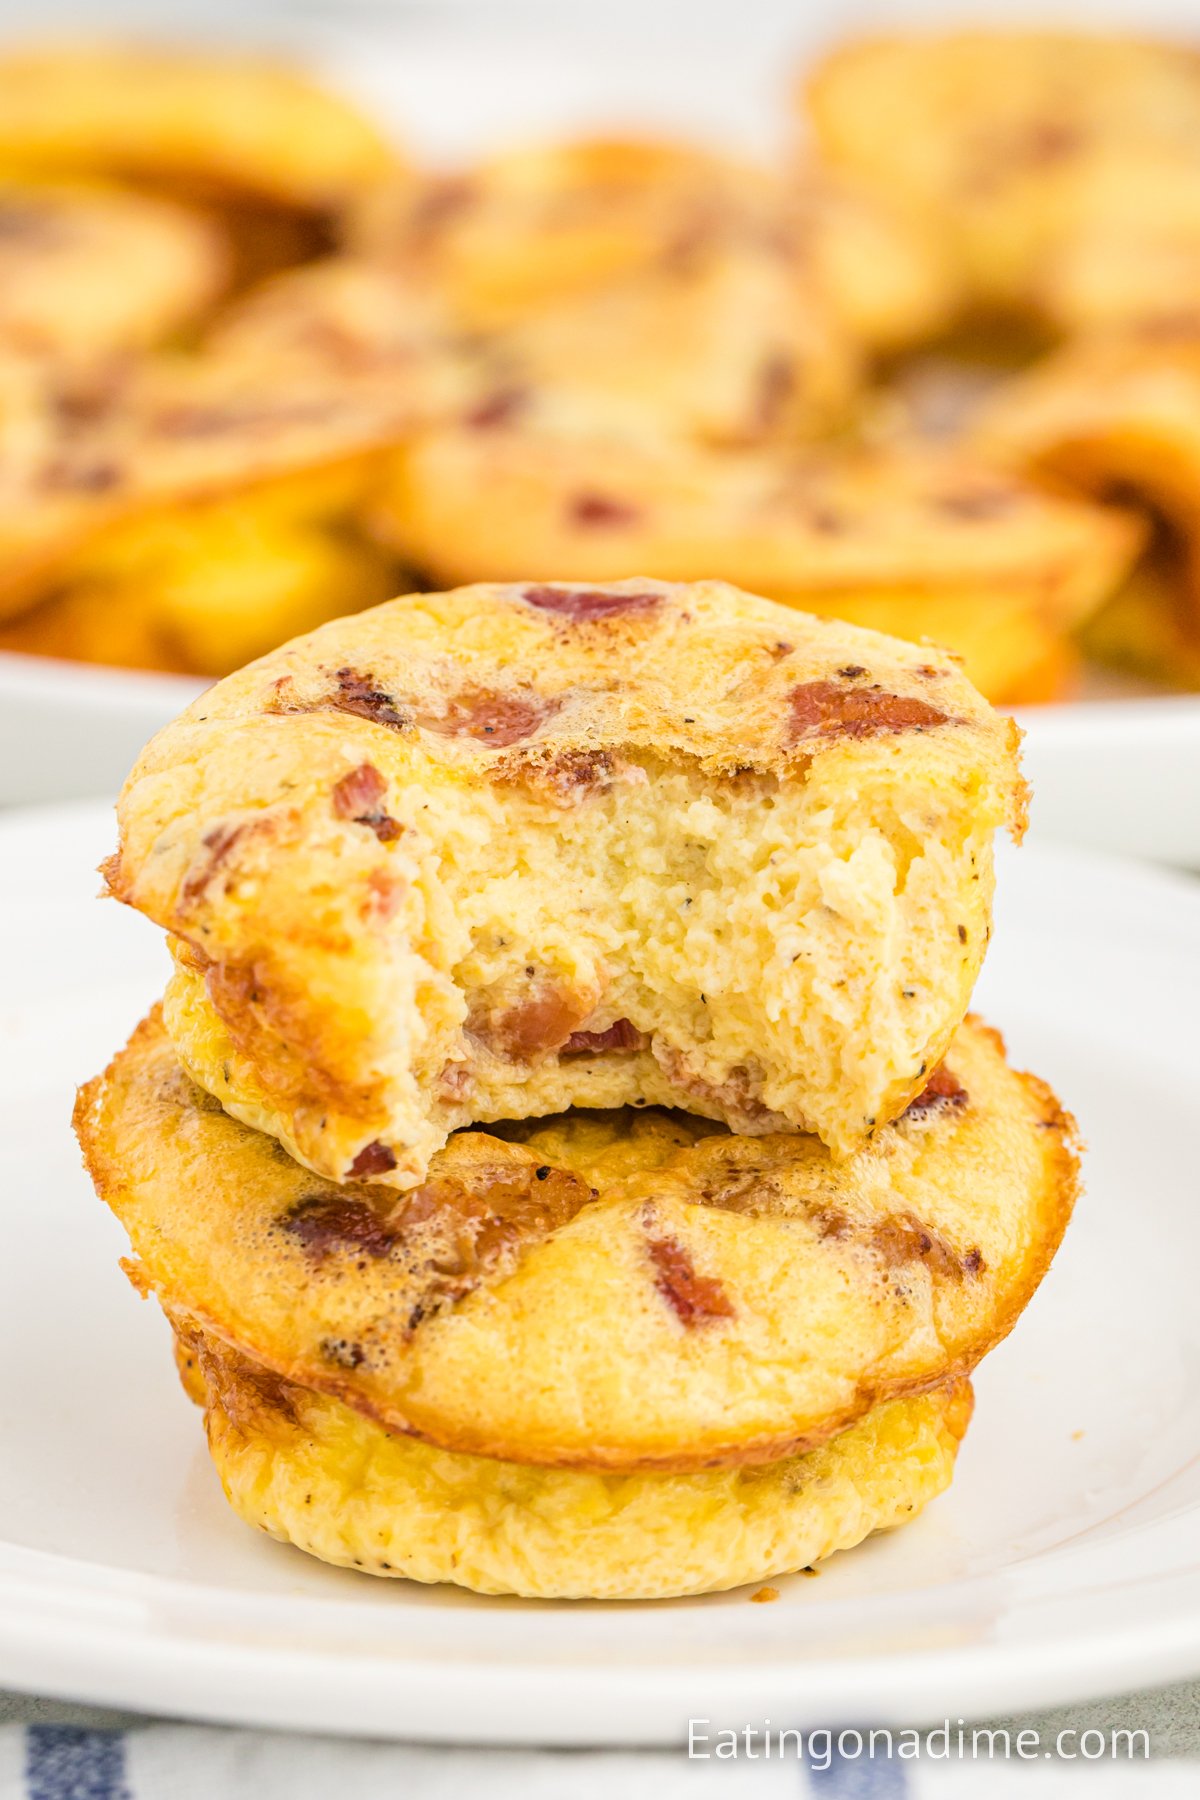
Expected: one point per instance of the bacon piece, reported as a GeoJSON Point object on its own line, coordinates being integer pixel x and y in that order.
{"type": "Point", "coordinates": [827, 709]}
{"type": "Point", "coordinates": [233, 416]}
{"type": "Point", "coordinates": [601, 510]}
{"type": "Point", "coordinates": [543, 1022]}
{"type": "Point", "coordinates": [500, 407]}
{"type": "Point", "coordinates": [219, 842]}
{"type": "Point", "coordinates": [491, 717]}
{"type": "Point", "coordinates": [384, 894]}
{"type": "Point", "coordinates": [448, 1234]}
{"type": "Point", "coordinates": [620, 1036]}
{"type": "Point", "coordinates": [356, 797]}
{"type": "Point", "coordinates": [586, 604]}
{"type": "Point", "coordinates": [941, 1086]}
{"type": "Point", "coordinates": [373, 1159]}
{"type": "Point", "coordinates": [360, 695]}
{"type": "Point", "coordinates": [444, 200]}
{"type": "Point", "coordinates": [776, 385]}
{"type": "Point", "coordinates": [695, 1299]}
{"type": "Point", "coordinates": [901, 1239]}
{"type": "Point", "coordinates": [736, 1099]}
{"type": "Point", "coordinates": [475, 1224]}
{"type": "Point", "coordinates": [323, 1223]}
{"type": "Point", "coordinates": [1050, 141]}
{"type": "Point", "coordinates": [976, 503]}
{"type": "Point", "coordinates": [90, 476]}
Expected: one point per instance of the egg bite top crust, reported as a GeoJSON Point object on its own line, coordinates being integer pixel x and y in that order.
{"type": "Point", "coordinates": [611, 1291]}
{"type": "Point", "coordinates": [498, 852]}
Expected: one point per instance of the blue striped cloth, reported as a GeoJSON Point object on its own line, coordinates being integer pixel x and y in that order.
{"type": "Point", "coordinates": [175, 1762]}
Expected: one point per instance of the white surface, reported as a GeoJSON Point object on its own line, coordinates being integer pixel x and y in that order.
{"type": "Point", "coordinates": [1065, 1561]}
{"type": "Point", "coordinates": [70, 730]}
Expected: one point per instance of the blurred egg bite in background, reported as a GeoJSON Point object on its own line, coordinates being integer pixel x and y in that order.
{"type": "Point", "coordinates": [596, 354]}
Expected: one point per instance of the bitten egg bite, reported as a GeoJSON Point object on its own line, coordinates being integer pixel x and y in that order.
{"type": "Point", "coordinates": [315, 1473]}
{"type": "Point", "coordinates": [918, 540]}
{"type": "Point", "coordinates": [624, 1291]}
{"type": "Point", "coordinates": [502, 851]}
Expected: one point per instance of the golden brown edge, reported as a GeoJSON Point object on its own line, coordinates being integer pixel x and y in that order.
{"type": "Point", "coordinates": [1061, 1187]}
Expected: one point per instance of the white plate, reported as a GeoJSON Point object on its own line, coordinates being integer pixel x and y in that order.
{"type": "Point", "coordinates": [1064, 1562]}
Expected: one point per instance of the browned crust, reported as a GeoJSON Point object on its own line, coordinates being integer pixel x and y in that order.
{"type": "Point", "coordinates": [211, 1369]}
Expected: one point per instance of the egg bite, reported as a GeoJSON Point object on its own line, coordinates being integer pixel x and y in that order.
{"type": "Point", "coordinates": [718, 343]}
{"type": "Point", "coordinates": [213, 505]}
{"type": "Point", "coordinates": [1119, 413]}
{"type": "Point", "coordinates": [919, 540]}
{"type": "Point", "coordinates": [1060, 167]}
{"type": "Point", "coordinates": [89, 272]}
{"type": "Point", "coordinates": [714, 344]}
{"type": "Point", "coordinates": [494, 853]}
{"type": "Point", "coordinates": [520, 233]}
{"type": "Point", "coordinates": [241, 127]}
{"type": "Point", "coordinates": [313, 1472]}
{"type": "Point", "coordinates": [623, 1291]}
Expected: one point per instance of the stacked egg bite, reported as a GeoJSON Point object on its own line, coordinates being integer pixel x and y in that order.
{"type": "Point", "coordinates": [563, 1151]}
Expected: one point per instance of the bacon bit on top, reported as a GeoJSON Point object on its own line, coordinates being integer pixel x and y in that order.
{"type": "Point", "coordinates": [588, 603]}
{"type": "Point", "coordinates": [695, 1299]}
{"type": "Point", "coordinates": [499, 1209]}
{"type": "Point", "coordinates": [357, 796]}
{"type": "Point", "coordinates": [621, 1036]}
{"type": "Point", "coordinates": [492, 718]}
{"type": "Point", "coordinates": [373, 1159]}
{"type": "Point", "coordinates": [601, 510]}
{"type": "Point", "coordinates": [826, 709]}
{"type": "Point", "coordinates": [326, 1222]}
{"type": "Point", "coordinates": [359, 694]}
{"type": "Point", "coordinates": [901, 1240]}
{"type": "Point", "coordinates": [941, 1086]}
